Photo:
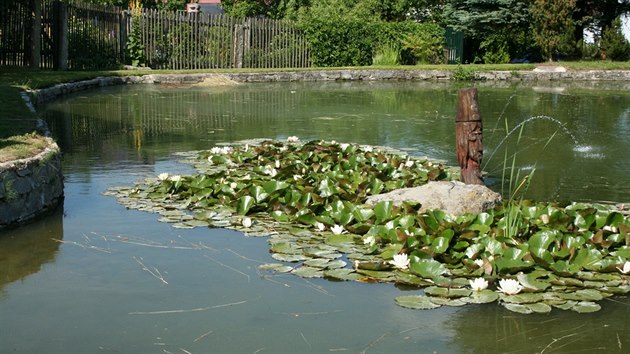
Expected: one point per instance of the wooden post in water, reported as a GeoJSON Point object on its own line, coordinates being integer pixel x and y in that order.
{"type": "Point", "coordinates": [469, 136]}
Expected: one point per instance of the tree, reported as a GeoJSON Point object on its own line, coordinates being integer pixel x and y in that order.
{"type": "Point", "coordinates": [614, 45]}
{"type": "Point", "coordinates": [495, 29]}
{"type": "Point", "coordinates": [554, 26]}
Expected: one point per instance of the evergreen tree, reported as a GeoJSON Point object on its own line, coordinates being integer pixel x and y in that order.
{"type": "Point", "coordinates": [614, 45]}
{"type": "Point", "coordinates": [554, 26]}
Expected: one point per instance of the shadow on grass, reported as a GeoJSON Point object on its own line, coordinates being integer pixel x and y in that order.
{"type": "Point", "coordinates": [5, 143]}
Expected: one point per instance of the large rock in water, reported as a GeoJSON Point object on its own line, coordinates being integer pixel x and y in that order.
{"type": "Point", "coordinates": [453, 197]}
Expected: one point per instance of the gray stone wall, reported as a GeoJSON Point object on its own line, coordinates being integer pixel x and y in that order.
{"type": "Point", "coordinates": [30, 187]}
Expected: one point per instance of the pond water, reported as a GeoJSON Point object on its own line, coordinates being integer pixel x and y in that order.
{"type": "Point", "coordinates": [95, 277]}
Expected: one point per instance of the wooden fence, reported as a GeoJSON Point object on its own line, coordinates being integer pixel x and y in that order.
{"type": "Point", "coordinates": [52, 34]}
{"type": "Point", "coordinates": [19, 25]}
{"type": "Point", "coordinates": [175, 40]}
{"type": "Point", "coordinates": [96, 36]}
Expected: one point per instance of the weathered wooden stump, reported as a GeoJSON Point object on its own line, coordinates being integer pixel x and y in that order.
{"type": "Point", "coordinates": [469, 136]}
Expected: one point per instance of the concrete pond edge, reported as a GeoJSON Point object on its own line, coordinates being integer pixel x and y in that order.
{"type": "Point", "coordinates": [30, 187]}
{"type": "Point", "coordinates": [42, 96]}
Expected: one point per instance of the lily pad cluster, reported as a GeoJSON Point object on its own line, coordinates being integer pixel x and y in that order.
{"type": "Point", "coordinates": [309, 198]}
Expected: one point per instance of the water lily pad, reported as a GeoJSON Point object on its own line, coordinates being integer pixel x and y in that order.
{"type": "Point", "coordinates": [343, 274]}
{"type": "Point", "coordinates": [582, 295]}
{"type": "Point", "coordinates": [338, 240]}
{"type": "Point", "coordinates": [586, 307]}
{"type": "Point", "coordinates": [481, 297]}
{"type": "Point", "coordinates": [288, 257]}
{"type": "Point", "coordinates": [411, 279]}
{"type": "Point", "coordinates": [523, 298]}
{"type": "Point", "coordinates": [372, 265]}
{"type": "Point", "coordinates": [337, 263]}
{"type": "Point", "coordinates": [385, 276]}
{"type": "Point", "coordinates": [417, 302]}
{"type": "Point", "coordinates": [275, 267]}
{"type": "Point", "coordinates": [286, 248]}
{"type": "Point", "coordinates": [519, 308]}
{"type": "Point", "coordinates": [308, 272]}
{"type": "Point", "coordinates": [568, 305]}
{"type": "Point", "coordinates": [623, 289]}
{"type": "Point", "coordinates": [444, 301]}
{"type": "Point", "coordinates": [197, 223]}
{"type": "Point", "coordinates": [531, 281]}
{"type": "Point", "coordinates": [436, 291]}
{"type": "Point", "coordinates": [539, 307]}
{"type": "Point", "coordinates": [428, 268]}
{"type": "Point", "coordinates": [317, 263]}
{"type": "Point", "coordinates": [322, 253]}
{"type": "Point", "coordinates": [182, 226]}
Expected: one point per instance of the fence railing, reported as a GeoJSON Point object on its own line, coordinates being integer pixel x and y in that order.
{"type": "Point", "coordinates": [89, 36]}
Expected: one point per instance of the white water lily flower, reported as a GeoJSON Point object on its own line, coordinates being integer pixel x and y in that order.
{"type": "Point", "coordinates": [216, 150]}
{"type": "Point", "coordinates": [163, 176]}
{"type": "Point", "coordinates": [176, 178]}
{"type": "Point", "coordinates": [544, 218]}
{"type": "Point", "coordinates": [297, 177]}
{"type": "Point", "coordinates": [247, 222]}
{"type": "Point", "coordinates": [368, 148]}
{"type": "Point", "coordinates": [277, 163]}
{"type": "Point", "coordinates": [293, 139]}
{"type": "Point", "coordinates": [610, 228]}
{"type": "Point", "coordinates": [270, 171]}
{"type": "Point", "coordinates": [344, 146]}
{"type": "Point", "coordinates": [479, 262]}
{"type": "Point", "coordinates": [409, 163]}
{"type": "Point", "coordinates": [320, 226]}
{"type": "Point", "coordinates": [509, 286]}
{"type": "Point", "coordinates": [625, 269]}
{"type": "Point", "coordinates": [233, 185]}
{"type": "Point", "coordinates": [370, 240]}
{"type": "Point", "coordinates": [400, 261]}
{"type": "Point", "coordinates": [478, 284]}
{"type": "Point", "coordinates": [246, 148]}
{"type": "Point", "coordinates": [337, 229]}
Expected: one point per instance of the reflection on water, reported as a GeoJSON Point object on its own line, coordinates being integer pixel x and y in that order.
{"type": "Point", "coordinates": [24, 250]}
{"type": "Point", "coordinates": [97, 291]}
{"type": "Point", "coordinates": [560, 332]}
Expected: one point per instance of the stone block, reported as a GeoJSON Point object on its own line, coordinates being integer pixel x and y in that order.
{"type": "Point", "coordinates": [452, 197]}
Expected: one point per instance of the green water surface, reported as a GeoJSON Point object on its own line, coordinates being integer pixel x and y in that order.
{"type": "Point", "coordinates": [95, 277]}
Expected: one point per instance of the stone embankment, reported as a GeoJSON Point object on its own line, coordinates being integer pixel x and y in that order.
{"type": "Point", "coordinates": [51, 93]}
{"type": "Point", "coordinates": [30, 187]}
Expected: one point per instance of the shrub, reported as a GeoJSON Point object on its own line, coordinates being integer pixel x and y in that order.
{"type": "Point", "coordinates": [339, 40]}
{"type": "Point", "coordinates": [494, 48]}
{"type": "Point", "coordinates": [388, 54]}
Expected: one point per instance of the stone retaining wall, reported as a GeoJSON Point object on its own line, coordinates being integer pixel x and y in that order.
{"type": "Point", "coordinates": [51, 93]}
{"type": "Point", "coordinates": [30, 187]}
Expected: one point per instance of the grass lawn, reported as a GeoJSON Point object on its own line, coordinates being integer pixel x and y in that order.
{"type": "Point", "coordinates": [16, 119]}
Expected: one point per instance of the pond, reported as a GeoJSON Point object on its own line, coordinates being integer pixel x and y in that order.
{"type": "Point", "coordinates": [95, 277]}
